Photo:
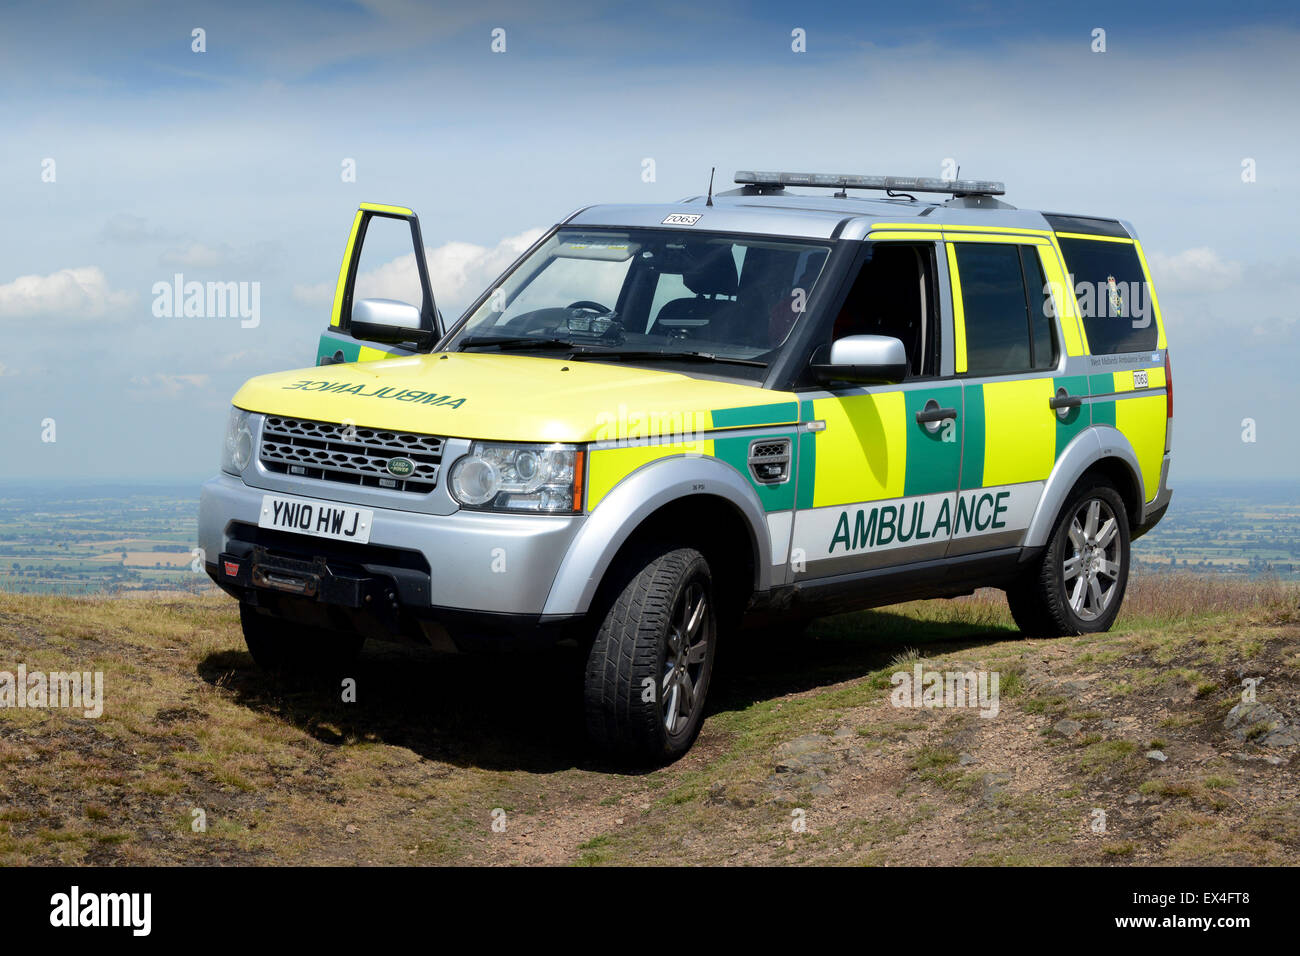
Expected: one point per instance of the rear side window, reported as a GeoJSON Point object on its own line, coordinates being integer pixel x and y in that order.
{"type": "Point", "coordinates": [1038, 297]}
{"type": "Point", "coordinates": [993, 298]}
{"type": "Point", "coordinates": [1113, 295]}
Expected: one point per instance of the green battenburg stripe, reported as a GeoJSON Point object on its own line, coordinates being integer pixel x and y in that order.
{"type": "Point", "coordinates": [778, 413]}
{"type": "Point", "coordinates": [329, 344]}
{"type": "Point", "coordinates": [972, 461]}
{"type": "Point", "coordinates": [735, 452]}
{"type": "Point", "coordinates": [1078, 418]}
{"type": "Point", "coordinates": [932, 458]}
{"type": "Point", "coordinates": [1103, 413]}
{"type": "Point", "coordinates": [807, 481]}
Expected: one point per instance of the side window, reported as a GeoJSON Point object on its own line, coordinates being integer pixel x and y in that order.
{"type": "Point", "coordinates": [993, 298]}
{"type": "Point", "coordinates": [893, 295]}
{"type": "Point", "coordinates": [1038, 299]}
{"type": "Point", "coordinates": [387, 268]}
{"type": "Point", "coordinates": [1113, 296]}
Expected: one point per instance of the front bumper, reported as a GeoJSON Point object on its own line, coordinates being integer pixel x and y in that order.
{"type": "Point", "coordinates": [469, 570]}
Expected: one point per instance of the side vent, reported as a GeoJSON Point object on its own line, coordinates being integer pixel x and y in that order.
{"type": "Point", "coordinates": [769, 460]}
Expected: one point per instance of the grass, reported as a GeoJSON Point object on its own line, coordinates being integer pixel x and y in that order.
{"type": "Point", "coordinates": [413, 772]}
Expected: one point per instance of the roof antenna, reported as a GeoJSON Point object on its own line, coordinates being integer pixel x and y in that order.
{"type": "Point", "coordinates": [712, 170]}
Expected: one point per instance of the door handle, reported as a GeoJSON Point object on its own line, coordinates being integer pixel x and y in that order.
{"type": "Point", "coordinates": [1064, 401]}
{"type": "Point", "coordinates": [927, 416]}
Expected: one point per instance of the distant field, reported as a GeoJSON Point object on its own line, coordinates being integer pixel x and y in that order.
{"type": "Point", "coordinates": [85, 540]}
{"type": "Point", "coordinates": [801, 733]}
{"type": "Point", "coordinates": [1230, 528]}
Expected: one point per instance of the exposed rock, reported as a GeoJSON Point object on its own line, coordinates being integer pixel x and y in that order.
{"type": "Point", "coordinates": [1157, 755]}
{"type": "Point", "coordinates": [1271, 759]}
{"type": "Point", "coordinates": [1261, 724]}
{"type": "Point", "coordinates": [802, 745]}
{"type": "Point", "coordinates": [1067, 727]}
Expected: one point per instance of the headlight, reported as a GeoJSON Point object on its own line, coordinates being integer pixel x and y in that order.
{"type": "Point", "coordinates": [507, 477]}
{"type": "Point", "coordinates": [237, 449]}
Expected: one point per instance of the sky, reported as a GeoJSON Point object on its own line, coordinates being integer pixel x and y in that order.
{"type": "Point", "coordinates": [129, 157]}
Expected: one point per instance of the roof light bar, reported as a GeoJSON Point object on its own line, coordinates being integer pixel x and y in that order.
{"type": "Point", "coordinates": [920, 184]}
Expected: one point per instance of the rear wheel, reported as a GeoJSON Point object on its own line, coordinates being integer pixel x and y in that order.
{"type": "Point", "coordinates": [283, 648]}
{"type": "Point", "coordinates": [1077, 585]}
{"type": "Point", "coordinates": [649, 666]}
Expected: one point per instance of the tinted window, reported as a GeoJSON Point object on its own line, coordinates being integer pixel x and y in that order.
{"type": "Point", "coordinates": [1112, 294]}
{"type": "Point", "coordinates": [993, 296]}
{"type": "Point", "coordinates": [1086, 225]}
{"type": "Point", "coordinates": [1041, 326]}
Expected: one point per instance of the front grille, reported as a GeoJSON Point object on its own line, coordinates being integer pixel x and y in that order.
{"type": "Point", "coordinates": [349, 454]}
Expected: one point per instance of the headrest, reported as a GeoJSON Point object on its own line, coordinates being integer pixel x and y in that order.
{"type": "Point", "coordinates": [713, 272]}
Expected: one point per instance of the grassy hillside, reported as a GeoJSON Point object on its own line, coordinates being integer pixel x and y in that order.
{"type": "Point", "coordinates": [802, 732]}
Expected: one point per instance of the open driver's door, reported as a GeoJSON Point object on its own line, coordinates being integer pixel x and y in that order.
{"type": "Point", "coordinates": [390, 238]}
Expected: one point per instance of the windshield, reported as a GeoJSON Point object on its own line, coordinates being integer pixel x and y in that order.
{"type": "Point", "coordinates": [648, 294]}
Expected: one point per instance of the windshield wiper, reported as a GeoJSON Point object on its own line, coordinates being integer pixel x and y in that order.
{"type": "Point", "coordinates": [581, 350]}
{"type": "Point", "coordinates": [517, 342]}
{"type": "Point", "coordinates": [664, 356]}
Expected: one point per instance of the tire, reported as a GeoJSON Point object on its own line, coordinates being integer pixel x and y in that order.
{"type": "Point", "coordinates": [1077, 585]}
{"type": "Point", "coordinates": [649, 665]}
{"type": "Point", "coordinates": [282, 648]}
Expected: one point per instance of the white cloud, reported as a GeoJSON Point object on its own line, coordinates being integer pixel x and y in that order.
{"type": "Point", "coordinates": [459, 271]}
{"type": "Point", "coordinates": [81, 292]}
{"type": "Point", "coordinates": [1193, 270]}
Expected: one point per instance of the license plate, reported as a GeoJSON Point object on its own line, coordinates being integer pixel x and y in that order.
{"type": "Point", "coordinates": [321, 519]}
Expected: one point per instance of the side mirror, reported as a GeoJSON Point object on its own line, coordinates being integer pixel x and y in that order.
{"type": "Point", "coordinates": [389, 321]}
{"type": "Point", "coordinates": [862, 360]}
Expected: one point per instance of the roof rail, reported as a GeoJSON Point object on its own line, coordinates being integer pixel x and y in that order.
{"type": "Point", "coordinates": [890, 184]}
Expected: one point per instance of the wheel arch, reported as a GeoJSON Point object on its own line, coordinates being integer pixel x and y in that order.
{"type": "Point", "coordinates": [1099, 450]}
{"type": "Point", "coordinates": [703, 495]}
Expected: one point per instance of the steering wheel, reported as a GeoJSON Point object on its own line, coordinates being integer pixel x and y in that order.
{"type": "Point", "coordinates": [588, 304]}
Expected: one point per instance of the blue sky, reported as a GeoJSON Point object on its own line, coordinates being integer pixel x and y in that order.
{"type": "Point", "coordinates": [225, 165]}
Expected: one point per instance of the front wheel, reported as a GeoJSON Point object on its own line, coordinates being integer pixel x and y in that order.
{"type": "Point", "coordinates": [1078, 584]}
{"type": "Point", "coordinates": [649, 665]}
